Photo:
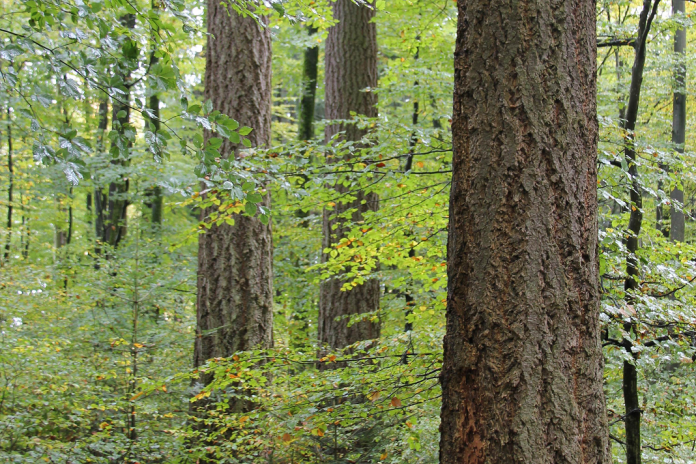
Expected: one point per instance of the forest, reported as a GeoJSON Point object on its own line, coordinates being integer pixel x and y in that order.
{"type": "Point", "coordinates": [347, 231]}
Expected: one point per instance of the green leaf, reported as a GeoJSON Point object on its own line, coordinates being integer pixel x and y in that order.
{"type": "Point", "coordinates": [245, 130]}
{"type": "Point", "coordinates": [254, 198]}
{"type": "Point", "coordinates": [250, 208]}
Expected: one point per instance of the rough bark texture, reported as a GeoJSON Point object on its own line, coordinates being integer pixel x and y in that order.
{"type": "Point", "coordinates": [351, 67]}
{"type": "Point", "coordinates": [677, 227]}
{"type": "Point", "coordinates": [235, 262]}
{"type": "Point", "coordinates": [522, 373]}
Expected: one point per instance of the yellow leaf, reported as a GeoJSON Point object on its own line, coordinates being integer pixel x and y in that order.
{"type": "Point", "coordinates": [138, 345]}
{"type": "Point", "coordinates": [382, 457]}
{"type": "Point", "coordinates": [137, 395]}
{"type": "Point", "coordinates": [419, 164]}
{"type": "Point", "coordinates": [243, 419]}
{"type": "Point", "coordinates": [320, 432]}
{"type": "Point", "coordinates": [164, 388]}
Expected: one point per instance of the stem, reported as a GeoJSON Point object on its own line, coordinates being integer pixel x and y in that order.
{"type": "Point", "coordinates": [10, 188]}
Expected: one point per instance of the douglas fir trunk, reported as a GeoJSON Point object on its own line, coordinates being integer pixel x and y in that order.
{"type": "Point", "coordinates": [522, 373]}
{"type": "Point", "coordinates": [351, 67]}
{"type": "Point", "coordinates": [235, 262]}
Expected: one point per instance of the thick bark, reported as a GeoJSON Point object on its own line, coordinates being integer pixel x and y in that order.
{"type": "Point", "coordinates": [10, 186]}
{"type": "Point", "coordinates": [309, 90]}
{"type": "Point", "coordinates": [234, 305]}
{"type": "Point", "coordinates": [351, 67]}
{"type": "Point", "coordinates": [522, 372]}
{"type": "Point", "coordinates": [677, 227]}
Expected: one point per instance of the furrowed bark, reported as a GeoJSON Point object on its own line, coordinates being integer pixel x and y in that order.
{"type": "Point", "coordinates": [235, 300]}
{"type": "Point", "coordinates": [351, 68]}
{"type": "Point", "coordinates": [523, 364]}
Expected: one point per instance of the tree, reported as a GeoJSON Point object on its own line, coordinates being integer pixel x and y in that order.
{"type": "Point", "coordinates": [350, 73]}
{"type": "Point", "coordinates": [522, 372]}
{"type": "Point", "coordinates": [235, 301]}
{"type": "Point", "coordinates": [678, 122]}
{"type": "Point", "coordinates": [309, 90]}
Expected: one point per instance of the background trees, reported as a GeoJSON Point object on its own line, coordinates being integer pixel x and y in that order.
{"type": "Point", "coordinates": [91, 333]}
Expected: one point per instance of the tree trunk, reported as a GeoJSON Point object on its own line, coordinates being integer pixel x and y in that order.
{"type": "Point", "coordinates": [235, 301]}
{"type": "Point", "coordinates": [522, 372]}
{"type": "Point", "coordinates": [157, 204]}
{"type": "Point", "coordinates": [351, 67]}
{"type": "Point", "coordinates": [10, 186]}
{"type": "Point", "coordinates": [635, 222]}
{"type": "Point", "coordinates": [117, 205]}
{"type": "Point", "coordinates": [676, 213]}
{"type": "Point", "coordinates": [309, 90]}
{"type": "Point", "coordinates": [100, 199]}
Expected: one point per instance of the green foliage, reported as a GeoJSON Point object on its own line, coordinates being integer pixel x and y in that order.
{"type": "Point", "coordinates": [90, 335]}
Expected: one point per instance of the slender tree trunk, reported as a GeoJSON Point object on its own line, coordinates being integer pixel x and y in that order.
{"type": "Point", "coordinates": [522, 372]}
{"type": "Point", "coordinates": [100, 198]}
{"type": "Point", "coordinates": [635, 221]}
{"type": "Point", "coordinates": [351, 67]}
{"type": "Point", "coordinates": [157, 204]}
{"type": "Point", "coordinates": [677, 227]}
{"type": "Point", "coordinates": [309, 90]}
{"type": "Point", "coordinates": [10, 187]}
{"type": "Point", "coordinates": [117, 205]}
{"type": "Point", "coordinates": [235, 300]}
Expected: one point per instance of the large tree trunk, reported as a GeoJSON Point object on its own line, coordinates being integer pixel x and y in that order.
{"type": "Point", "coordinates": [677, 227]}
{"type": "Point", "coordinates": [522, 373]}
{"type": "Point", "coordinates": [351, 67]}
{"type": "Point", "coordinates": [235, 300]}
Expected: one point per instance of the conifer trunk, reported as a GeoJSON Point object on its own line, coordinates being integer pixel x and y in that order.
{"type": "Point", "coordinates": [234, 305]}
{"type": "Point", "coordinates": [522, 372]}
{"type": "Point", "coordinates": [351, 67]}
